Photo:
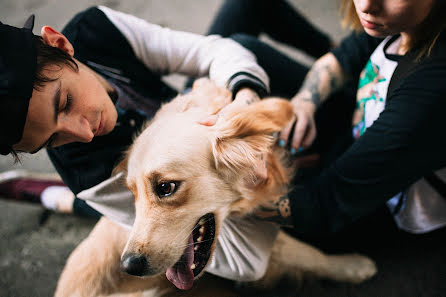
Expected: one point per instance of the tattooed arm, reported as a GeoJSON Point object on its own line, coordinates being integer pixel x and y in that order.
{"type": "Point", "coordinates": [325, 77]}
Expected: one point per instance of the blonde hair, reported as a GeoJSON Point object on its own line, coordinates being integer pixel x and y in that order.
{"type": "Point", "coordinates": [424, 39]}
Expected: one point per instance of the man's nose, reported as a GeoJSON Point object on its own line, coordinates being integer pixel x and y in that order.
{"type": "Point", "coordinates": [76, 129]}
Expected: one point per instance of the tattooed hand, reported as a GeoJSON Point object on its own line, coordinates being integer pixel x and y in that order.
{"type": "Point", "coordinates": [325, 77]}
{"type": "Point", "coordinates": [304, 131]}
{"type": "Point", "coordinates": [278, 211]}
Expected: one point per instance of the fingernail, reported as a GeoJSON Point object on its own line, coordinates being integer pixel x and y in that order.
{"type": "Point", "coordinates": [301, 149]}
{"type": "Point", "coordinates": [282, 143]}
{"type": "Point", "coordinates": [293, 151]}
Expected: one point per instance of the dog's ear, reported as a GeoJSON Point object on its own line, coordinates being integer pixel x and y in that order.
{"type": "Point", "coordinates": [244, 137]}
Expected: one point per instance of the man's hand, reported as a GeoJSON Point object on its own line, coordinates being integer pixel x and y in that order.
{"type": "Point", "coordinates": [244, 96]}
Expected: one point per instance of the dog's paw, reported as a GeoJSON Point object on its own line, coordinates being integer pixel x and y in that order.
{"type": "Point", "coordinates": [352, 268]}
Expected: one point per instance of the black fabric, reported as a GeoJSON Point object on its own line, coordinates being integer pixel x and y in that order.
{"type": "Point", "coordinates": [437, 183]}
{"type": "Point", "coordinates": [277, 18]}
{"type": "Point", "coordinates": [276, 64]}
{"type": "Point", "coordinates": [403, 145]}
{"type": "Point", "coordinates": [96, 39]}
{"type": "Point", "coordinates": [249, 81]}
{"type": "Point", "coordinates": [81, 208]}
{"type": "Point", "coordinates": [17, 73]}
{"type": "Point", "coordinates": [238, 18]}
{"type": "Point", "coordinates": [354, 51]}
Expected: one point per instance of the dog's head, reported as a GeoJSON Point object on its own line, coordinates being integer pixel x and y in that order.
{"type": "Point", "coordinates": [187, 177]}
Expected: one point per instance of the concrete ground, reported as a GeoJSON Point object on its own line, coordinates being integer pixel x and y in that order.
{"type": "Point", "coordinates": [35, 243]}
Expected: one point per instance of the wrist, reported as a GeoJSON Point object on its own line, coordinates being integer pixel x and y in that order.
{"type": "Point", "coordinates": [243, 80]}
{"type": "Point", "coordinates": [247, 96]}
{"type": "Point", "coordinates": [301, 101]}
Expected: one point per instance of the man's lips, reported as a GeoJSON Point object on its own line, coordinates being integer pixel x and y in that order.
{"type": "Point", "coordinates": [100, 127]}
{"type": "Point", "coordinates": [369, 25]}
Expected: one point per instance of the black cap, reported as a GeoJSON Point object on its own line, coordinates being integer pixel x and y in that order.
{"type": "Point", "coordinates": [18, 61]}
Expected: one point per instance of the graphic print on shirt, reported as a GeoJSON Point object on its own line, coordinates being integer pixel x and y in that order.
{"type": "Point", "coordinates": [372, 87]}
{"type": "Point", "coordinates": [366, 91]}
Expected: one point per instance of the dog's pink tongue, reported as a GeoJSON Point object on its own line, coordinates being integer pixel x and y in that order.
{"type": "Point", "coordinates": [181, 274]}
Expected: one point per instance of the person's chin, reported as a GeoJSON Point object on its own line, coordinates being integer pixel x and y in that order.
{"type": "Point", "coordinates": [110, 122]}
{"type": "Point", "coordinates": [376, 33]}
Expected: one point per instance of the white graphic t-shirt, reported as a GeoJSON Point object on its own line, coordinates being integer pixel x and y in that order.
{"type": "Point", "coordinates": [373, 83]}
{"type": "Point", "coordinates": [420, 209]}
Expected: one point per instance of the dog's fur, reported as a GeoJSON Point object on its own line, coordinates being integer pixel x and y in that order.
{"type": "Point", "coordinates": [215, 169]}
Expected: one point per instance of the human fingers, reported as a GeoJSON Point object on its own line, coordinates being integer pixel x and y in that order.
{"type": "Point", "coordinates": [299, 133]}
{"type": "Point", "coordinates": [310, 135]}
{"type": "Point", "coordinates": [285, 133]}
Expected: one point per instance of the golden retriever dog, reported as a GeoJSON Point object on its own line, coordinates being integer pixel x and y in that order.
{"type": "Point", "coordinates": [187, 178]}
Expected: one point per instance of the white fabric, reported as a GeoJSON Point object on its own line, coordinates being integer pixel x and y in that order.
{"type": "Point", "coordinates": [243, 249]}
{"type": "Point", "coordinates": [384, 70]}
{"type": "Point", "coordinates": [243, 245]}
{"type": "Point", "coordinates": [422, 208]}
{"type": "Point", "coordinates": [51, 195]}
{"type": "Point", "coordinates": [112, 199]}
{"type": "Point", "coordinates": [168, 51]}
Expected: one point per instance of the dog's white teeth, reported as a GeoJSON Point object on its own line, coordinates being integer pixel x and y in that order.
{"type": "Point", "coordinates": [201, 222]}
{"type": "Point", "coordinates": [201, 230]}
{"type": "Point", "coordinates": [200, 238]}
{"type": "Point", "coordinates": [192, 267]}
{"type": "Point", "coordinates": [196, 248]}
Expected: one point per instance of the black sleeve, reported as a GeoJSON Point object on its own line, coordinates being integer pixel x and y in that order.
{"type": "Point", "coordinates": [354, 52]}
{"type": "Point", "coordinates": [95, 38]}
{"type": "Point", "coordinates": [405, 143]}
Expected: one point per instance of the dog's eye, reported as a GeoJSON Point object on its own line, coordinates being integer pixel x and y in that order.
{"type": "Point", "coordinates": [166, 189]}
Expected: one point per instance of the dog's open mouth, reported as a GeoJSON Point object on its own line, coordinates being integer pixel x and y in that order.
{"type": "Point", "coordinates": [195, 256]}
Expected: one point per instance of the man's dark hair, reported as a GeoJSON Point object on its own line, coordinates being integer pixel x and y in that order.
{"type": "Point", "coordinates": [47, 56]}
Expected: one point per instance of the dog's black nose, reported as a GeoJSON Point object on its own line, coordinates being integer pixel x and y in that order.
{"type": "Point", "coordinates": [134, 264]}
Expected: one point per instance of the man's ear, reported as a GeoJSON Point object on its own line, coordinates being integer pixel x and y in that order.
{"type": "Point", "coordinates": [57, 39]}
{"type": "Point", "coordinates": [244, 137]}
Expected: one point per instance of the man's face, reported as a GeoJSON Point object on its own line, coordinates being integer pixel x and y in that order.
{"type": "Point", "coordinates": [73, 108]}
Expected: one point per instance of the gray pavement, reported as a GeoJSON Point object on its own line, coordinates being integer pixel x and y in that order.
{"type": "Point", "coordinates": [35, 243]}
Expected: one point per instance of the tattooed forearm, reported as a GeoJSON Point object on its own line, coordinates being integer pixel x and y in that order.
{"type": "Point", "coordinates": [324, 78]}
{"type": "Point", "coordinates": [311, 86]}
{"type": "Point", "coordinates": [278, 212]}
